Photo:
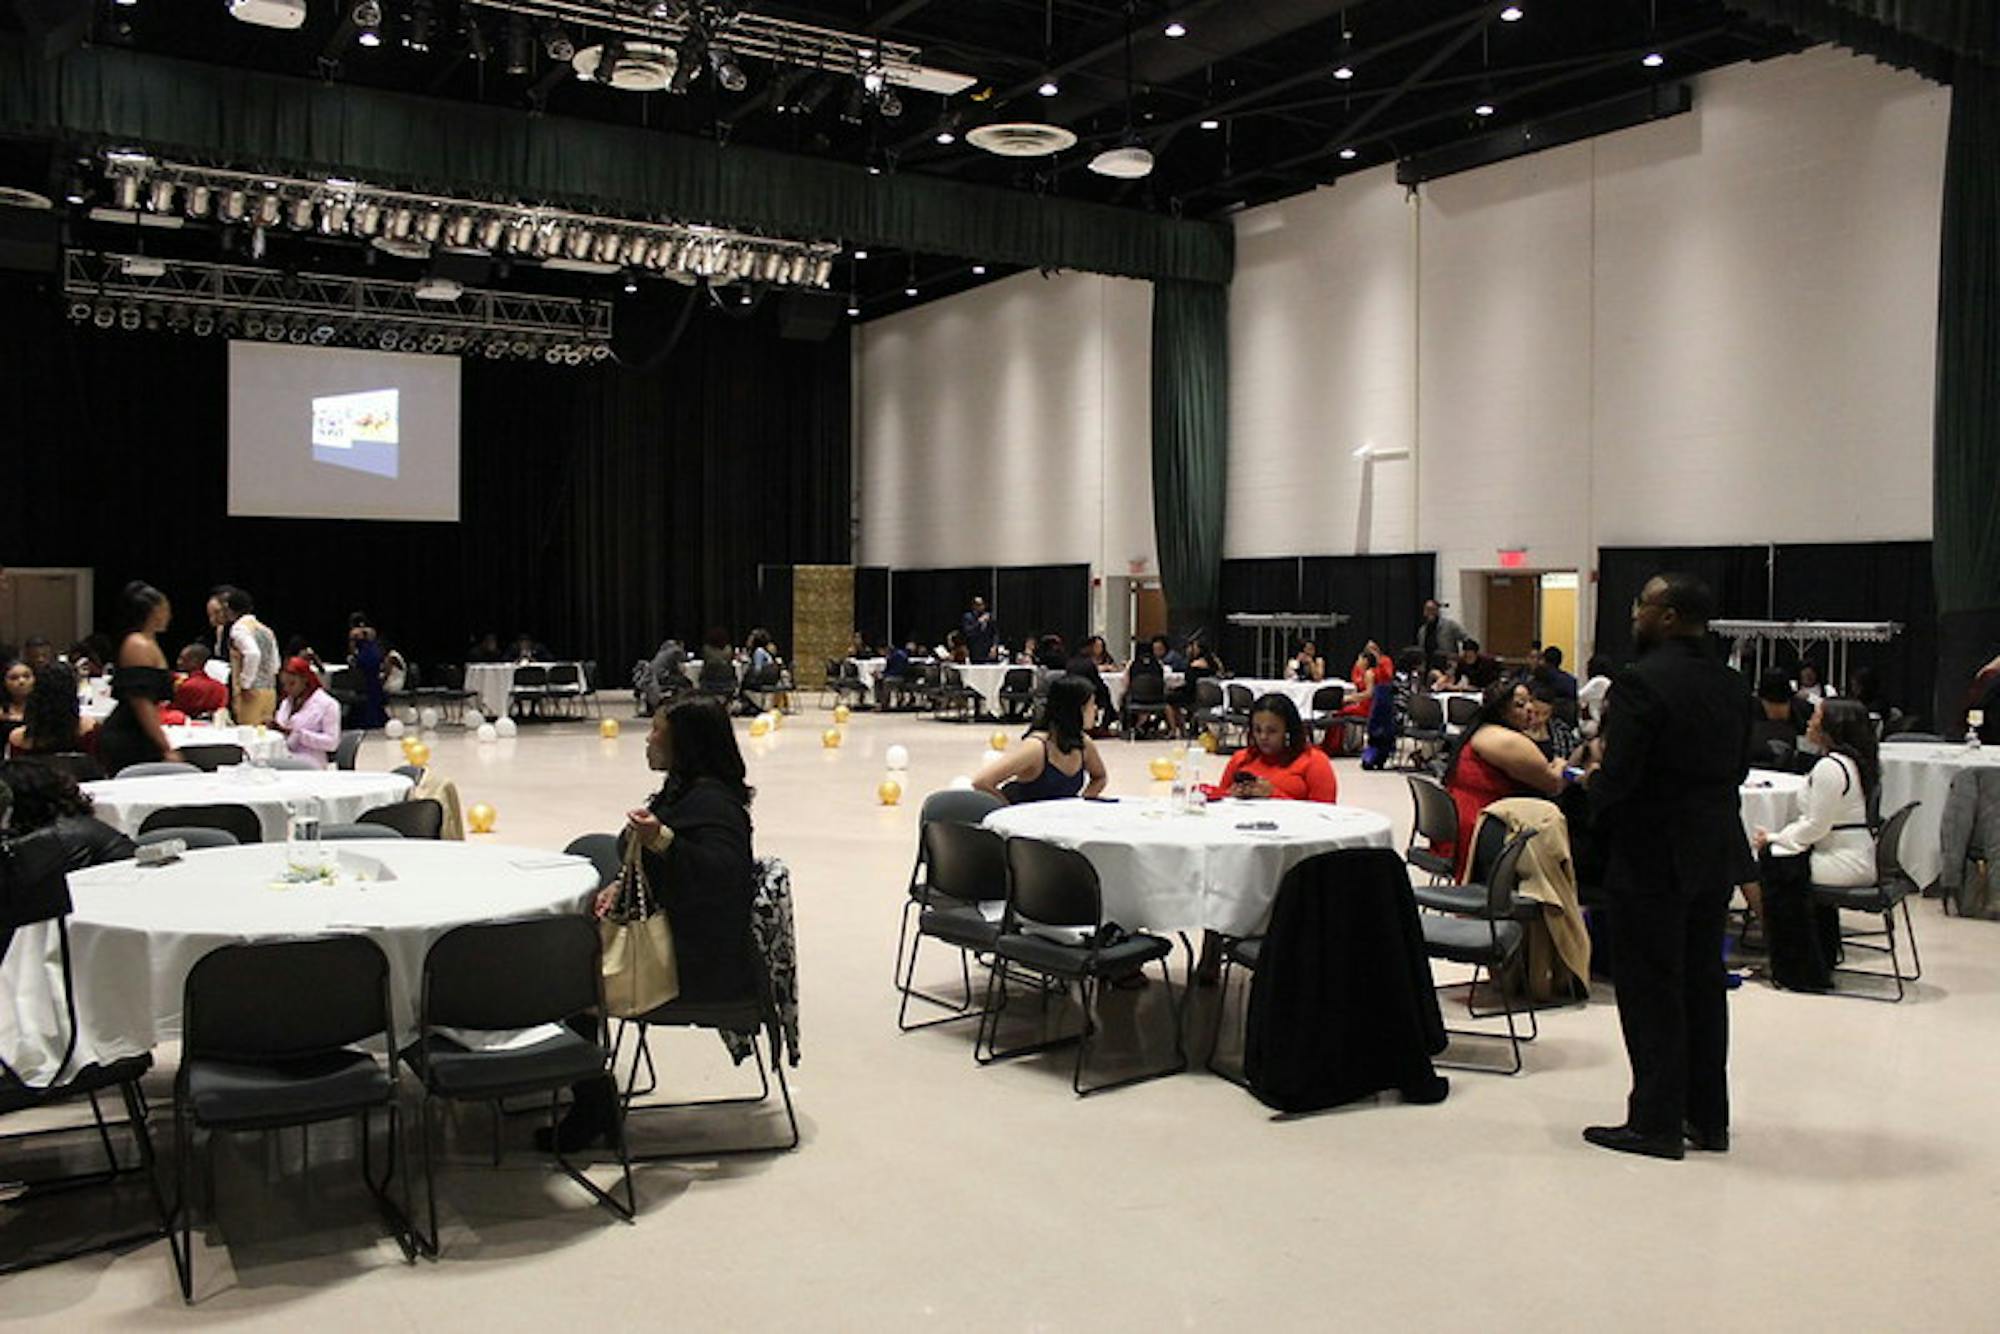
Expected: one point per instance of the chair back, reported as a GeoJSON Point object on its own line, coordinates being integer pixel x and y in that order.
{"type": "Point", "coordinates": [959, 806]}
{"type": "Point", "coordinates": [1207, 694]}
{"type": "Point", "coordinates": [413, 772]}
{"type": "Point", "coordinates": [529, 676]}
{"type": "Point", "coordinates": [347, 749]}
{"type": "Point", "coordinates": [1328, 699]}
{"type": "Point", "coordinates": [1241, 699]}
{"type": "Point", "coordinates": [967, 862]}
{"type": "Point", "coordinates": [355, 829]}
{"type": "Point", "coordinates": [195, 836]}
{"type": "Point", "coordinates": [344, 681]}
{"type": "Point", "coordinates": [209, 758]}
{"type": "Point", "coordinates": [1426, 712]}
{"type": "Point", "coordinates": [79, 766]}
{"type": "Point", "coordinates": [1436, 815]}
{"type": "Point", "coordinates": [271, 1000]}
{"type": "Point", "coordinates": [1146, 688]}
{"type": "Point", "coordinates": [566, 675]}
{"type": "Point", "coordinates": [1458, 709]}
{"type": "Point", "coordinates": [156, 769]}
{"type": "Point", "coordinates": [601, 850]}
{"type": "Point", "coordinates": [1051, 885]}
{"type": "Point", "coordinates": [422, 817]}
{"type": "Point", "coordinates": [1490, 838]}
{"type": "Point", "coordinates": [1018, 681]}
{"type": "Point", "coordinates": [1503, 876]}
{"type": "Point", "coordinates": [239, 821]}
{"type": "Point", "coordinates": [1889, 846]}
{"type": "Point", "coordinates": [511, 974]}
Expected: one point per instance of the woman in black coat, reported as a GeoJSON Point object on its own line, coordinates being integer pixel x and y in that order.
{"type": "Point", "coordinates": [694, 841]}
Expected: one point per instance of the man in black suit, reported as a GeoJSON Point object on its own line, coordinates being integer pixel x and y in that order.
{"type": "Point", "coordinates": [1666, 801]}
{"type": "Point", "coordinates": [979, 631]}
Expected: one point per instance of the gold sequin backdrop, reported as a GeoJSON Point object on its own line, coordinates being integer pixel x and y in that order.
{"type": "Point", "coordinates": [822, 618]}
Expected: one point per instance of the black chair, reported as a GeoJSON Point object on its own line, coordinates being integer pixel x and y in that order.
{"type": "Point", "coordinates": [1017, 693]}
{"type": "Point", "coordinates": [347, 749]}
{"type": "Point", "coordinates": [513, 975]}
{"type": "Point", "coordinates": [344, 684]}
{"type": "Point", "coordinates": [271, 1038]}
{"type": "Point", "coordinates": [1436, 822]}
{"type": "Point", "coordinates": [240, 822]}
{"type": "Point", "coordinates": [1423, 727]}
{"type": "Point", "coordinates": [843, 683]}
{"type": "Point", "coordinates": [1209, 707]}
{"type": "Point", "coordinates": [1487, 938]}
{"type": "Point", "coordinates": [588, 668]}
{"type": "Point", "coordinates": [1145, 697]}
{"type": "Point", "coordinates": [531, 687]}
{"type": "Point", "coordinates": [209, 758]}
{"type": "Point", "coordinates": [1459, 709]}
{"type": "Point", "coordinates": [1237, 953]}
{"type": "Point", "coordinates": [1893, 886]}
{"type": "Point", "coordinates": [564, 686]}
{"type": "Point", "coordinates": [964, 890]}
{"type": "Point", "coordinates": [601, 850]}
{"type": "Point", "coordinates": [1238, 700]}
{"type": "Point", "coordinates": [952, 696]}
{"type": "Point", "coordinates": [413, 772]}
{"type": "Point", "coordinates": [447, 691]}
{"type": "Point", "coordinates": [36, 861]}
{"type": "Point", "coordinates": [156, 769]}
{"type": "Point", "coordinates": [79, 766]}
{"type": "Point", "coordinates": [421, 817]}
{"type": "Point", "coordinates": [356, 830]}
{"type": "Point", "coordinates": [1052, 887]}
{"type": "Point", "coordinates": [1931, 737]}
{"type": "Point", "coordinates": [1325, 711]}
{"type": "Point", "coordinates": [195, 836]}
{"type": "Point", "coordinates": [958, 806]}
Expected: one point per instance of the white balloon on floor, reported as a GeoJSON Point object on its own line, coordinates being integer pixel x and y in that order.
{"type": "Point", "coordinates": [487, 732]}
{"type": "Point", "coordinates": [897, 757]}
{"type": "Point", "coordinates": [506, 727]}
{"type": "Point", "coordinates": [429, 718]}
{"type": "Point", "coordinates": [962, 783]}
{"type": "Point", "coordinates": [410, 716]}
{"type": "Point", "coordinates": [474, 719]}
{"type": "Point", "coordinates": [393, 728]}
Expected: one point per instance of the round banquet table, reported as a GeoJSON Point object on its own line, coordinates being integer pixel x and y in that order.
{"type": "Point", "coordinates": [342, 794]}
{"type": "Point", "coordinates": [269, 746]}
{"type": "Point", "coordinates": [1171, 871]}
{"type": "Point", "coordinates": [1770, 800]}
{"type": "Point", "coordinates": [1922, 771]}
{"type": "Point", "coordinates": [1299, 692]}
{"type": "Point", "coordinates": [987, 678]}
{"type": "Point", "coordinates": [136, 931]}
{"type": "Point", "coordinates": [493, 683]}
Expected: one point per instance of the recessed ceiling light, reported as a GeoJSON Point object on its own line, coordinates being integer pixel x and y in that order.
{"type": "Point", "coordinates": [946, 137]}
{"type": "Point", "coordinates": [369, 37]}
{"type": "Point", "coordinates": [1344, 72]}
{"type": "Point", "coordinates": [1048, 88]}
{"type": "Point", "coordinates": [1175, 30]}
{"type": "Point", "coordinates": [1347, 155]}
{"type": "Point", "coordinates": [861, 254]}
{"type": "Point", "coordinates": [909, 291]}
{"type": "Point", "coordinates": [1512, 14]}
{"type": "Point", "coordinates": [1211, 125]}
{"type": "Point", "coordinates": [1652, 60]}
{"type": "Point", "coordinates": [1484, 109]}
{"type": "Point", "coordinates": [853, 311]}
{"type": "Point", "coordinates": [979, 270]}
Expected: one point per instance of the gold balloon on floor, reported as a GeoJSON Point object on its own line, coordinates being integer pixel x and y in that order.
{"type": "Point", "coordinates": [830, 738]}
{"type": "Point", "coordinates": [777, 719]}
{"type": "Point", "coordinates": [1162, 768]}
{"type": "Point", "coordinates": [419, 754]}
{"type": "Point", "coordinates": [607, 728]}
{"type": "Point", "coordinates": [998, 741]}
{"type": "Point", "coordinates": [841, 713]}
{"type": "Point", "coordinates": [1208, 742]}
{"type": "Point", "coordinates": [481, 818]}
{"type": "Point", "coordinates": [889, 792]}
{"type": "Point", "coordinates": [760, 726]}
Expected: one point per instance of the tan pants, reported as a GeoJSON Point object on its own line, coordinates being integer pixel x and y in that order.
{"type": "Point", "coordinates": [255, 706]}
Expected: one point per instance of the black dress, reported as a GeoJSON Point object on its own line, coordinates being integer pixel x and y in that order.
{"type": "Point", "coordinates": [706, 880]}
{"type": "Point", "coordinates": [122, 740]}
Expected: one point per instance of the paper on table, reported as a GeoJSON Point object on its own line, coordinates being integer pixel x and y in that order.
{"type": "Point", "coordinates": [553, 862]}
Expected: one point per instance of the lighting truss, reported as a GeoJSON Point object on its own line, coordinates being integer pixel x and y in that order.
{"type": "Point", "coordinates": [237, 301]}
{"type": "Point", "coordinates": [751, 34]}
{"type": "Point", "coordinates": [410, 223]}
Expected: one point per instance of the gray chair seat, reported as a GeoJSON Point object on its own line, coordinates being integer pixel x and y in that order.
{"type": "Point", "coordinates": [338, 831]}
{"type": "Point", "coordinates": [1864, 898]}
{"type": "Point", "coordinates": [323, 1086]}
{"type": "Point", "coordinates": [1246, 953]}
{"type": "Point", "coordinates": [195, 836]}
{"type": "Point", "coordinates": [16, 1097]}
{"type": "Point", "coordinates": [1425, 860]}
{"type": "Point", "coordinates": [456, 1071]}
{"type": "Point", "coordinates": [1469, 940]}
{"type": "Point", "coordinates": [1450, 898]}
{"type": "Point", "coordinates": [967, 927]}
{"type": "Point", "coordinates": [1054, 957]}
{"type": "Point", "coordinates": [739, 1016]}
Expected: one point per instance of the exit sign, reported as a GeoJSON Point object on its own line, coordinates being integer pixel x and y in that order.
{"type": "Point", "coordinates": [1513, 558]}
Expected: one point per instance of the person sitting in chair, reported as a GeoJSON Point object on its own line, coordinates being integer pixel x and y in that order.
{"type": "Point", "coordinates": [1057, 758]}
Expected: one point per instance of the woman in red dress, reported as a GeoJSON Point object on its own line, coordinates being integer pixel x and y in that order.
{"type": "Point", "coordinates": [1280, 760]}
{"type": "Point", "coordinates": [1495, 759]}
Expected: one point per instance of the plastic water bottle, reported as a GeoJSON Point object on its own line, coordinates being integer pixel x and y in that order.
{"type": "Point", "coordinates": [302, 845]}
{"type": "Point", "coordinates": [1177, 795]}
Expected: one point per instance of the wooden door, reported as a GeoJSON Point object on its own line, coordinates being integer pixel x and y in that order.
{"type": "Point", "coordinates": [1149, 614]}
{"type": "Point", "coordinates": [42, 604]}
{"type": "Point", "coordinates": [1511, 622]}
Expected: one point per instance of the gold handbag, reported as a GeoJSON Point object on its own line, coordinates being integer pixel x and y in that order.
{"type": "Point", "coordinates": [641, 971]}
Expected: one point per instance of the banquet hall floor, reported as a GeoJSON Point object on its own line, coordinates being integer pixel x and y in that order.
{"type": "Point", "coordinates": [930, 1193]}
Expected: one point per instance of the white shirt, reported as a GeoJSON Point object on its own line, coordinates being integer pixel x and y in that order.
{"type": "Point", "coordinates": [1832, 796]}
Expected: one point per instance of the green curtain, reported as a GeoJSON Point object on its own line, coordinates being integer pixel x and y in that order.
{"type": "Point", "coordinates": [1190, 445]}
{"type": "Point", "coordinates": [281, 124]}
{"type": "Point", "coordinates": [1922, 35]}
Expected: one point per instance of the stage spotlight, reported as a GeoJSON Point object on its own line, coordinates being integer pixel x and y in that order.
{"type": "Point", "coordinates": [274, 332]}
{"type": "Point", "coordinates": [79, 310]}
{"type": "Point", "coordinates": [253, 325]}
{"type": "Point", "coordinates": [199, 198]}
{"type": "Point", "coordinates": [520, 46]}
{"type": "Point", "coordinates": [430, 225]}
{"type": "Point", "coordinates": [125, 192]}
{"type": "Point", "coordinates": [727, 72]}
{"type": "Point", "coordinates": [433, 341]}
{"type": "Point", "coordinates": [322, 335]}
{"type": "Point", "coordinates": [160, 198]}
{"type": "Point", "coordinates": [556, 44]}
{"type": "Point", "coordinates": [494, 350]}
{"type": "Point", "coordinates": [235, 203]}
{"type": "Point", "coordinates": [298, 333]}
{"type": "Point", "coordinates": [204, 324]}
{"type": "Point", "coordinates": [128, 318]}
{"type": "Point", "coordinates": [367, 18]}
{"type": "Point", "coordinates": [105, 315]}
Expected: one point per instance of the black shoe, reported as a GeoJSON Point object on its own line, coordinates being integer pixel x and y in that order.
{"type": "Point", "coordinates": [1706, 1141]}
{"type": "Point", "coordinates": [588, 1121]}
{"type": "Point", "coordinates": [1624, 1139]}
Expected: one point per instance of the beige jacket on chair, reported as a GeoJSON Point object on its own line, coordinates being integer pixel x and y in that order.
{"type": "Point", "coordinates": [1558, 945]}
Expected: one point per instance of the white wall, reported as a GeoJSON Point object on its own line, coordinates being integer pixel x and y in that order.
{"type": "Point", "coordinates": [1009, 426]}
{"type": "Point", "coordinates": [1718, 328]}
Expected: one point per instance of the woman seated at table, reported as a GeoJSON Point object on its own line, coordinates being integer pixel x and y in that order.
{"type": "Point", "coordinates": [1496, 759]}
{"type": "Point", "coordinates": [1306, 664]}
{"type": "Point", "coordinates": [694, 840]}
{"type": "Point", "coordinates": [1057, 758]}
{"type": "Point", "coordinates": [1099, 653]}
{"type": "Point", "coordinates": [1827, 844]}
{"type": "Point", "coordinates": [308, 718]}
{"type": "Point", "coordinates": [1202, 663]}
{"type": "Point", "coordinates": [1280, 760]}
{"type": "Point", "coordinates": [51, 722]}
{"type": "Point", "coordinates": [718, 663]}
{"type": "Point", "coordinates": [44, 795]}
{"type": "Point", "coordinates": [16, 684]}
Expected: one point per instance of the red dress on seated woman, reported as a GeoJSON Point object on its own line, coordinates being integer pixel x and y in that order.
{"type": "Point", "coordinates": [1474, 785]}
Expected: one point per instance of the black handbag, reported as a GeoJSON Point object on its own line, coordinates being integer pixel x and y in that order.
{"type": "Point", "coordinates": [34, 887]}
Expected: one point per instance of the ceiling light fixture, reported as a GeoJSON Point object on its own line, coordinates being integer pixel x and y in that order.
{"type": "Point", "coordinates": [1484, 109]}
{"type": "Point", "coordinates": [1049, 88]}
{"type": "Point", "coordinates": [1347, 155]}
{"type": "Point", "coordinates": [979, 270]}
{"type": "Point", "coordinates": [1652, 60]}
{"type": "Point", "coordinates": [1176, 29]}
{"type": "Point", "coordinates": [1211, 124]}
{"type": "Point", "coordinates": [945, 138]}
{"type": "Point", "coordinates": [423, 18]}
{"type": "Point", "coordinates": [1344, 73]}
{"type": "Point", "coordinates": [1512, 14]}
{"type": "Point", "coordinates": [556, 44]}
{"type": "Point", "coordinates": [367, 17]}
{"type": "Point", "coordinates": [728, 73]}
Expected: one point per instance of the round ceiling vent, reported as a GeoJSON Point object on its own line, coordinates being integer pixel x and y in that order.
{"type": "Point", "coordinates": [643, 67]}
{"type": "Point", "coordinates": [1021, 139]}
{"type": "Point", "coordinates": [1127, 164]}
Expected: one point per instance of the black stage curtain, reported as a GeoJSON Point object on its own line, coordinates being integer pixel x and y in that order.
{"type": "Point", "coordinates": [1042, 599]}
{"type": "Point", "coordinates": [927, 605]}
{"type": "Point", "coordinates": [871, 604]}
{"type": "Point", "coordinates": [1869, 581]}
{"type": "Point", "coordinates": [1922, 35]}
{"type": "Point", "coordinates": [1383, 597]}
{"type": "Point", "coordinates": [1262, 583]}
{"type": "Point", "coordinates": [601, 508]}
{"type": "Point", "coordinates": [774, 606]}
{"type": "Point", "coordinates": [1739, 576]}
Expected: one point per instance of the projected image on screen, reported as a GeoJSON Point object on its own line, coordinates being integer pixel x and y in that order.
{"type": "Point", "coordinates": [356, 431]}
{"type": "Point", "coordinates": [339, 433]}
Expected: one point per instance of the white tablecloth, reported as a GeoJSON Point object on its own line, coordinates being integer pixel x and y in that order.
{"type": "Point", "coordinates": [493, 683]}
{"type": "Point", "coordinates": [1299, 692]}
{"type": "Point", "coordinates": [1922, 771]}
{"type": "Point", "coordinates": [267, 747]}
{"type": "Point", "coordinates": [868, 669]}
{"type": "Point", "coordinates": [343, 794]}
{"type": "Point", "coordinates": [987, 678]}
{"type": "Point", "coordinates": [137, 931]}
{"type": "Point", "coordinates": [1165, 871]}
{"type": "Point", "coordinates": [1770, 800]}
